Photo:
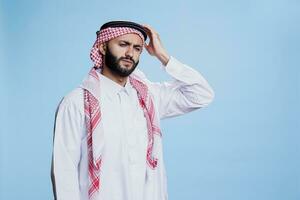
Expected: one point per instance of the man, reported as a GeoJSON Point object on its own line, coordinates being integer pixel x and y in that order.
{"type": "Point", "coordinates": [107, 138]}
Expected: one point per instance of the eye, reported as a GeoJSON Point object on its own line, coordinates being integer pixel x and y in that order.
{"type": "Point", "coordinates": [123, 44]}
{"type": "Point", "coordinates": [138, 49]}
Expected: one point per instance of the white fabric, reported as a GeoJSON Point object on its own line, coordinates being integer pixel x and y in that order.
{"type": "Point", "coordinates": [124, 174]}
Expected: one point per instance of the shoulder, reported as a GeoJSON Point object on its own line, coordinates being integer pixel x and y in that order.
{"type": "Point", "coordinates": [73, 100]}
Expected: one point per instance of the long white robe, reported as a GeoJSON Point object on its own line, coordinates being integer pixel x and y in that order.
{"type": "Point", "coordinates": [124, 173]}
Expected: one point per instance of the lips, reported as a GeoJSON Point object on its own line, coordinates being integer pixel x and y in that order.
{"type": "Point", "coordinates": [128, 61]}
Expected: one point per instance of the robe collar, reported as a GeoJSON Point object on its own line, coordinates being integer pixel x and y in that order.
{"type": "Point", "coordinates": [111, 88]}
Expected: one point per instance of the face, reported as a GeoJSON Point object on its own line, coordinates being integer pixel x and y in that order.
{"type": "Point", "coordinates": [122, 54]}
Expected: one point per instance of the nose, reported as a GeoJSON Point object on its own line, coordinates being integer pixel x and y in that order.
{"type": "Point", "coordinates": [129, 52]}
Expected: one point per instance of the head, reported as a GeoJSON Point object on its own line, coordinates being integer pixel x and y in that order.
{"type": "Point", "coordinates": [118, 47]}
{"type": "Point", "coordinates": [121, 54]}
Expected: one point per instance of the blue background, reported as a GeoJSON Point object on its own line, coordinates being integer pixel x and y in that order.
{"type": "Point", "coordinates": [244, 146]}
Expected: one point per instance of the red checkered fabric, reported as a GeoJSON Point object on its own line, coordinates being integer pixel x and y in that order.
{"type": "Point", "coordinates": [92, 118]}
{"type": "Point", "coordinates": [92, 109]}
{"type": "Point", "coordinates": [106, 35]}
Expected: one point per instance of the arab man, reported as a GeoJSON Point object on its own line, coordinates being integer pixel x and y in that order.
{"type": "Point", "coordinates": [107, 137]}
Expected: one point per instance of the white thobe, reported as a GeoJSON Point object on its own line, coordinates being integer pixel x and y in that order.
{"type": "Point", "coordinates": [124, 169]}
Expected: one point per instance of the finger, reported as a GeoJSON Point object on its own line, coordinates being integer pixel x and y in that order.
{"type": "Point", "coordinates": [147, 48]}
{"type": "Point", "coordinates": [147, 26]}
{"type": "Point", "coordinates": [149, 29]}
{"type": "Point", "coordinates": [146, 45]}
{"type": "Point", "coordinates": [153, 35]}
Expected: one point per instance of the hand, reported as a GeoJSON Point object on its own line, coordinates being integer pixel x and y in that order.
{"type": "Point", "coordinates": [155, 47]}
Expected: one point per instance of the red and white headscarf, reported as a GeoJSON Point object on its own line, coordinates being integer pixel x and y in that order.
{"type": "Point", "coordinates": [93, 116]}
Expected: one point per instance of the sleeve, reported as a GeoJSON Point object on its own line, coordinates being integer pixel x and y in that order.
{"type": "Point", "coordinates": [66, 151]}
{"type": "Point", "coordinates": [186, 92]}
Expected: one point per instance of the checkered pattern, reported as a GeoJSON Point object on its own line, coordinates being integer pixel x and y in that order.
{"type": "Point", "coordinates": [92, 118]}
{"type": "Point", "coordinates": [106, 35]}
{"type": "Point", "coordinates": [146, 102]}
{"type": "Point", "coordinates": [93, 110]}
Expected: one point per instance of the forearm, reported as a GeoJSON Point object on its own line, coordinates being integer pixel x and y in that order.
{"type": "Point", "coordinates": [188, 91]}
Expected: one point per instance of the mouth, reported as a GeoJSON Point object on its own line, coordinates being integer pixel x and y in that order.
{"type": "Point", "coordinates": [127, 61]}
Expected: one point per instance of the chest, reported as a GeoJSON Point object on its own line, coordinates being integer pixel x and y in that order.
{"type": "Point", "coordinates": [124, 121]}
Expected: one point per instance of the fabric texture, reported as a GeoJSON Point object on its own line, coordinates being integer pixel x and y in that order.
{"type": "Point", "coordinates": [128, 24]}
{"type": "Point", "coordinates": [93, 116]}
{"type": "Point", "coordinates": [187, 91]}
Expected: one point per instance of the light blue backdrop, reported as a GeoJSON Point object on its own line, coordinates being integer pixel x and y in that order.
{"type": "Point", "coordinates": [244, 146]}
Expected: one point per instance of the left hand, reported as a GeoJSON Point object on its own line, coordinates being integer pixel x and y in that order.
{"type": "Point", "coordinates": [155, 47]}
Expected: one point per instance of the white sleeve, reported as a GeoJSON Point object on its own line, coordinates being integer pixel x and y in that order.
{"type": "Point", "coordinates": [66, 151]}
{"type": "Point", "coordinates": [187, 92]}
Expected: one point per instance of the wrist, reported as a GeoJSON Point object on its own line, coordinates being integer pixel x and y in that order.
{"type": "Point", "coordinates": [164, 58]}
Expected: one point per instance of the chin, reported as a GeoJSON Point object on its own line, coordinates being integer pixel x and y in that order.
{"type": "Point", "coordinates": [126, 67]}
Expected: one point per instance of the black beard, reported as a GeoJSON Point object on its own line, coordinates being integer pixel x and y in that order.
{"type": "Point", "coordinates": [113, 63]}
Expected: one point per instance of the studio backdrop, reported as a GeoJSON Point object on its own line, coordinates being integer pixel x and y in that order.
{"type": "Point", "coordinates": [243, 146]}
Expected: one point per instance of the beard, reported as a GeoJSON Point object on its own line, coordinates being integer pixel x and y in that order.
{"type": "Point", "coordinates": [113, 63]}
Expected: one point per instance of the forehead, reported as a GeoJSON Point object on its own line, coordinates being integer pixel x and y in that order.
{"type": "Point", "coordinates": [131, 37]}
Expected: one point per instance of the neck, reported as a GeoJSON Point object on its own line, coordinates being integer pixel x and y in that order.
{"type": "Point", "coordinates": [114, 77]}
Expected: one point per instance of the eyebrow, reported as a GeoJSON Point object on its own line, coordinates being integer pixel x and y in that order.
{"type": "Point", "coordinates": [129, 43]}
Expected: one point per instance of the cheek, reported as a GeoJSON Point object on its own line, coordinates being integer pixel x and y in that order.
{"type": "Point", "coordinates": [117, 51]}
{"type": "Point", "coordinates": [137, 56]}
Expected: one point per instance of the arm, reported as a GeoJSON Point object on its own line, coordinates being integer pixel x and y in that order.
{"type": "Point", "coordinates": [66, 152]}
{"type": "Point", "coordinates": [187, 92]}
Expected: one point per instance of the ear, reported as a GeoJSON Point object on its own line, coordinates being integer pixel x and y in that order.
{"type": "Point", "coordinates": [102, 48]}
